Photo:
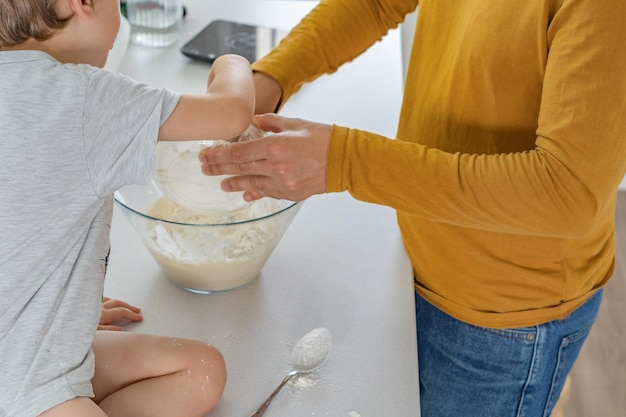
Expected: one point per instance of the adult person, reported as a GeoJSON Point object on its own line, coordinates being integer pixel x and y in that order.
{"type": "Point", "coordinates": [504, 170]}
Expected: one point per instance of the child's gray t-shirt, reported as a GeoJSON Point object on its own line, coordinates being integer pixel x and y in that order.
{"type": "Point", "coordinates": [70, 136]}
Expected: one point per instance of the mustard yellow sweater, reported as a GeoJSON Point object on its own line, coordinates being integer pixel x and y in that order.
{"type": "Point", "coordinates": [509, 151]}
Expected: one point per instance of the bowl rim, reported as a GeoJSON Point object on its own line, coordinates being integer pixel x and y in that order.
{"type": "Point", "coordinates": [146, 216]}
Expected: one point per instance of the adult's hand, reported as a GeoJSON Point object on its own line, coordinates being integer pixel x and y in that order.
{"type": "Point", "coordinates": [289, 163]}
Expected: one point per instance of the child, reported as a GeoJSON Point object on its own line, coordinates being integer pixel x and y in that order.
{"type": "Point", "coordinates": [73, 133]}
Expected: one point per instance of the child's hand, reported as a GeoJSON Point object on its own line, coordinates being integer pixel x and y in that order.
{"type": "Point", "coordinates": [114, 310]}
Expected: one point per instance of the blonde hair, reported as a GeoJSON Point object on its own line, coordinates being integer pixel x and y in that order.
{"type": "Point", "coordinates": [21, 20]}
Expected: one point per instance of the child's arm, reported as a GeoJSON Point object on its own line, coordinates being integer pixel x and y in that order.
{"type": "Point", "coordinates": [224, 112]}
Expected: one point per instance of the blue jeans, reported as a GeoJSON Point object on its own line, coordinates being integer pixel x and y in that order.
{"type": "Point", "coordinates": [471, 371]}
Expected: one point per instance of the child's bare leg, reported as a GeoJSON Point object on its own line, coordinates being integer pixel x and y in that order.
{"type": "Point", "coordinates": [146, 375]}
{"type": "Point", "coordinates": [76, 407]}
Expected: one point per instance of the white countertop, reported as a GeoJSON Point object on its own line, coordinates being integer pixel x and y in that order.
{"type": "Point", "coordinates": [341, 264]}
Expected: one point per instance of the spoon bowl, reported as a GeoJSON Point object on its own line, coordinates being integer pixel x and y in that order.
{"type": "Point", "coordinates": [307, 355]}
{"type": "Point", "coordinates": [312, 350]}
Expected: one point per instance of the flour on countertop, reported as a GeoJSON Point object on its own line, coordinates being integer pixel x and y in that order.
{"type": "Point", "coordinates": [304, 381]}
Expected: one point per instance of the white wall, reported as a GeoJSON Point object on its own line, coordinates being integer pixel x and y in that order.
{"type": "Point", "coordinates": [407, 30]}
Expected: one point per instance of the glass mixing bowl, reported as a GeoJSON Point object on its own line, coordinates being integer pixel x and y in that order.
{"type": "Point", "coordinates": [203, 252]}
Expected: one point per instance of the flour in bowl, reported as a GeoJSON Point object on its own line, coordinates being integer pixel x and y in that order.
{"type": "Point", "coordinates": [214, 252]}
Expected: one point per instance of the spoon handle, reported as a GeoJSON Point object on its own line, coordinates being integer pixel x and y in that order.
{"type": "Point", "coordinates": [267, 402]}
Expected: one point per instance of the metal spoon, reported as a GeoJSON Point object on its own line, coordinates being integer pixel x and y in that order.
{"type": "Point", "coordinates": [308, 354]}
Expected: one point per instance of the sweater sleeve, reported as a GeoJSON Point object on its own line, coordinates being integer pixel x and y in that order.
{"type": "Point", "coordinates": [560, 188]}
{"type": "Point", "coordinates": [325, 39]}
